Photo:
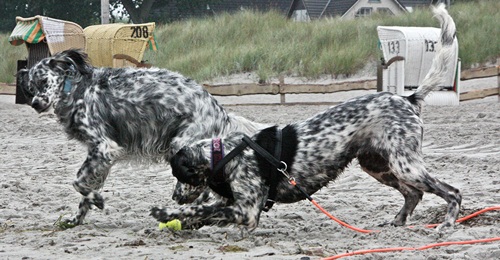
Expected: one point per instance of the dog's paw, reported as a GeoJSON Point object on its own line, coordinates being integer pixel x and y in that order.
{"type": "Point", "coordinates": [390, 224]}
{"type": "Point", "coordinates": [192, 225]}
{"type": "Point", "coordinates": [66, 223]}
{"type": "Point", "coordinates": [385, 224]}
{"type": "Point", "coordinates": [159, 214]}
{"type": "Point", "coordinates": [444, 226]}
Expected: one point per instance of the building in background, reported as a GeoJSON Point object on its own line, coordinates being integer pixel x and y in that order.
{"type": "Point", "coordinates": [299, 10]}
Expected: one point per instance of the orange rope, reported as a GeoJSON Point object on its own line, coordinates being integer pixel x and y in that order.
{"type": "Point", "coordinates": [395, 249]}
{"type": "Point", "coordinates": [382, 250]}
{"type": "Point", "coordinates": [340, 221]}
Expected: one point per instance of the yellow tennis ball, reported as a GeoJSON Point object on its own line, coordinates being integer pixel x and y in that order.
{"type": "Point", "coordinates": [172, 224]}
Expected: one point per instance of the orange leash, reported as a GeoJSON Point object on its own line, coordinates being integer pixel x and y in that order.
{"type": "Point", "coordinates": [395, 249]}
{"type": "Point", "coordinates": [342, 223]}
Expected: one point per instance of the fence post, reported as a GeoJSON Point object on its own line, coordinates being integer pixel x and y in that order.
{"type": "Point", "coordinates": [380, 75]}
{"type": "Point", "coordinates": [498, 77]}
{"type": "Point", "coordinates": [282, 85]}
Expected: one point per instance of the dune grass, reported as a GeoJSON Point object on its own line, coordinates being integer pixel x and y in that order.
{"type": "Point", "coordinates": [270, 45]}
{"type": "Point", "coordinates": [10, 54]}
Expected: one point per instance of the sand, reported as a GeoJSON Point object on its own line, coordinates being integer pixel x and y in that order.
{"type": "Point", "coordinates": [38, 164]}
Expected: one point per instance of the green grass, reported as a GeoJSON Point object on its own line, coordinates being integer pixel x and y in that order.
{"type": "Point", "coordinates": [10, 54]}
{"type": "Point", "coordinates": [270, 45]}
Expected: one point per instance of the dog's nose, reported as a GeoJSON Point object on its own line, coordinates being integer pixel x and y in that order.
{"type": "Point", "coordinates": [36, 104]}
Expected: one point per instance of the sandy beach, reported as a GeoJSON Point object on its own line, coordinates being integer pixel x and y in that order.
{"type": "Point", "coordinates": [38, 164]}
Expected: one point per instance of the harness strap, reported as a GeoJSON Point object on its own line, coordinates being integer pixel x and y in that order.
{"type": "Point", "coordinates": [273, 179]}
{"type": "Point", "coordinates": [217, 181]}
{"type": "Point", "coordinates": [275, 162]}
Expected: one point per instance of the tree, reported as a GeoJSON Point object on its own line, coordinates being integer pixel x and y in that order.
{"type": "Point", "coordinates": [140, 11]}
{"type": "Point", "coordinates": [87, 12]}
{"type": "Point", "coordinates": [82, 12]}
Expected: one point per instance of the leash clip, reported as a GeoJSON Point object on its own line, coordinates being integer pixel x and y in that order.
{"type": "Point", "coordinates": [285, 173]}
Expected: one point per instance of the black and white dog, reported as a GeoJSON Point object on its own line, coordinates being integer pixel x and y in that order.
{"type": "Point", "coordinates": [383, 131]}
{"type": "Point", "coordinates": [121, 113]}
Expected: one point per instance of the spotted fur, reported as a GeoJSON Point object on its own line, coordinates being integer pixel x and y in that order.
{"type": "Point", "coordinates": [123, 113]}
{"type": "Point", "coordinates": [383, 131]}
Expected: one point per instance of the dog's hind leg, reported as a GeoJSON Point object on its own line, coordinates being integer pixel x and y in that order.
{"type": "Point", "coordinates": [377, 166]}
{"type": "Point", "coordinates": [412, 196]}
{"type": "Point", "coordinates": [424, 182]}
{"type": "Point", "coordinates": [411, 173]}
{"type": "Point", "coordinates": [91, 177]}
{"type": "Point", "coordinates": [409, 176]}
{"type": "Point", "coordinates": [410, 170]}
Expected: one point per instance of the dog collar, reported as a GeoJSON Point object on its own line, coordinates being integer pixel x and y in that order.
{"type": "Point", "coordinates": [217, 179]}
{"type": "Point", "coordinates": [217, 155]}
{"type": "Point", "coordinates": [67, 86]}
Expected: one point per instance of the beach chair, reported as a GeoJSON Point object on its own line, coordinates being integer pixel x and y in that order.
{"type": "Point", "coordinates": [43, 36]}
{"type": "Point", "coordinates": [407, 57]}
{"type": "Point", "coordinates": [119, 45]}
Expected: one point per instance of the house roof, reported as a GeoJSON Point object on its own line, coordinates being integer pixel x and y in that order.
{"type": "Point", "coordinates": [315, 8]}
{"type": "Point", "coordinates": [282, 6]}
{"type": "Point", "coordinates": [175, 11]}
{"type": "Point", "coordinates": [413, 3]}
{"type": "Point", "coordinates": [320, 8]}
{"type": "Point", "coordinates": [397, 2]}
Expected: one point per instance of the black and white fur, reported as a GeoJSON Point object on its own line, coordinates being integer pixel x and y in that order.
{"type": "Point", "coordinates": [383, 131]}
{"type": "Point", "coordinates": [123, 113]}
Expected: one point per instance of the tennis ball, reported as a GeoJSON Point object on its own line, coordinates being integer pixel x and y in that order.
{"type": "Point", "coordinates": [172, 224]}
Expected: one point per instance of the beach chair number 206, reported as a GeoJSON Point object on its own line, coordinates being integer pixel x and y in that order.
{"type": "Point", "coordinates": [139, 32]}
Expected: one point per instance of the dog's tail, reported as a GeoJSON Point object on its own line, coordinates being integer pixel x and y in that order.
{"type": "Point", "coordinates": [442, 60]}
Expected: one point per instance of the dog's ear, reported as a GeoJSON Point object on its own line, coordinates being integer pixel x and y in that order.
{"type": "Point", "coordinates": [72, 61]}
{"type": "Point", "coordinates": [186, 168]}
{"type": "Point", "coordinates": [22, 80]}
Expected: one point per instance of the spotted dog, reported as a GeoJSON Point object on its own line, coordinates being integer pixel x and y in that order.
{"type": "Point", "coordinates": [123, 113]}
{"type": "Point", "coordinates": [383, 131]}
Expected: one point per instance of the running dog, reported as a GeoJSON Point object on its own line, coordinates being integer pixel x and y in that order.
{"type": "Point", "coordinates": [383, 131]}
{"type": "Point", "coordinates": [123, 113]}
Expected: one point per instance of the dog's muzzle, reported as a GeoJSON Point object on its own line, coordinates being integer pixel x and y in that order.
{"type": "Point", "coordinates": [39, 105]}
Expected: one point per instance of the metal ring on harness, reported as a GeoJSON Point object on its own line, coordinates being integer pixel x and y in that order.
{"type": "Point", "coordinates": [284, 168]}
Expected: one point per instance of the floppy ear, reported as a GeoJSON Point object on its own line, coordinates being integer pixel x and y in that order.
{"type": "Point", "coordinates": [71, 61]}
{"type": "Point", "coordinates": [184, 167]}
{"type": "Point", "coordinates": [22, 80]}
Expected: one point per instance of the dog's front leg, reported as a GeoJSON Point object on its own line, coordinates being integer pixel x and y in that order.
{"type": "Point", "coordinates": [212, 214]}
{"type": "Point", "coordinates": [91, 177]}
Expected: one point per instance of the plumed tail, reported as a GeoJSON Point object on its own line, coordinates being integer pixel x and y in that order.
{"type": "Point", "coordinates": [443, 59]}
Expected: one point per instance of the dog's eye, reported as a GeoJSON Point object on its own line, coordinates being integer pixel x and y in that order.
{"type": "Point", "coordinates": [32, 90]}
{"type": "Point", "coordinates": [42, 84]}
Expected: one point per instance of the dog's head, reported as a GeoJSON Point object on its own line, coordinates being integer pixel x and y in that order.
{"type": "Point", "coordinates": [45, 80]}
{"type": "Point", "coordinates": [191, 167]}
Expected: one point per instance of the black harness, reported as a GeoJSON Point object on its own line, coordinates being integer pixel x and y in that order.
{"type": "Point", "coordinates": [217, 180]}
